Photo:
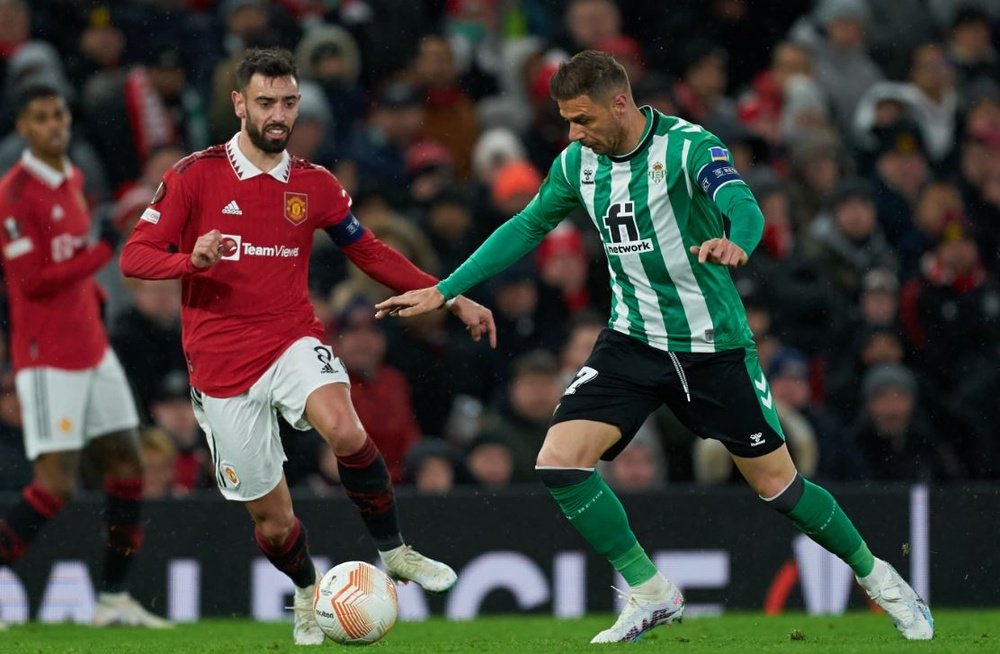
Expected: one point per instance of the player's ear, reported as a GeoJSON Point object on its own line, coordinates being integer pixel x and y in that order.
{"type": "Point", "coordinates": [239, 106]}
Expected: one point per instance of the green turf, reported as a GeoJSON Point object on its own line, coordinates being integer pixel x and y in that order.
{"type": "Point", "coordinates": [957, 631]}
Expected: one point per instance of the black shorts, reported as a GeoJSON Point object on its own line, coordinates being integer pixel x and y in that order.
{"type": "Point", "coordinates": [721, 395]}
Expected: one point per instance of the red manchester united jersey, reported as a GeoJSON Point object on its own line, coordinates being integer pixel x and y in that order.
{"type": "Point", "coordinates": [239, 315]}
{"type": "Point", "coordinates": [49, 266]}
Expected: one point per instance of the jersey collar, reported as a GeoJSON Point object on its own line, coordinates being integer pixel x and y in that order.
{"type": "Point", "coordinates": [50, 176]}
{"type": "Point", "coordinates": [246, 170]}
{"type": "Point", "coordinates": [652, 117]}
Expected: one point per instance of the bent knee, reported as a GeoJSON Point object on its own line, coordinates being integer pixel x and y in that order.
{"type": "Point", "coordinates": [275, 527]}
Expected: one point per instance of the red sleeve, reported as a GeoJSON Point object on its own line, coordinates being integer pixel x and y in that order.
{"type": "Point", "coordinates": [386, 265]}
{"type": "Point", "coordinates": [147, 254]}
{"type": "Point", "coordinates": [38, 278]}
{"type": "Point", "coordinates": [24, 261]}
{"type": "Point", "coordinates": [335, 201]}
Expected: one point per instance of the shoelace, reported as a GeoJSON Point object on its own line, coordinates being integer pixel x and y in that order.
{"type": "Point", "coordinates": [630, 603]}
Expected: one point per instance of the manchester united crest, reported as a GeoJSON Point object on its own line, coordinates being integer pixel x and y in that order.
{"type": "Point", "coordinates": [296, 207]}
{"type": "Point", "coordinates": [657, 172]}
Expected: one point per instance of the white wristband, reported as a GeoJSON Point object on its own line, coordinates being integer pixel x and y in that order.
{"type": "Point", "coordinates": [448, 303]}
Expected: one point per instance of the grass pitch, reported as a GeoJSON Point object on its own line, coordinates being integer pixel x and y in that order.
{"type": "Point", "coordinates": [957, 631]}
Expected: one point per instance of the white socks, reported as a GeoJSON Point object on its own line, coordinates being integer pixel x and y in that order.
{"type": "Point", "coordinates": [876, 576]}
{"type": "Point", "coordinates": [654, 589]}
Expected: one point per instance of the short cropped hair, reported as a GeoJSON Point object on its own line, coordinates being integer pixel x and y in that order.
{"type": "Point", "coordinates": [32, 92]}
{"type": "Point", "coordinates": [591, 73]}
{"type": "Point", "coordinates": [269, 62]}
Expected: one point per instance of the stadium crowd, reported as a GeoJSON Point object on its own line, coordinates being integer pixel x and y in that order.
{"type": "Point", "coordinates": [869, 131]}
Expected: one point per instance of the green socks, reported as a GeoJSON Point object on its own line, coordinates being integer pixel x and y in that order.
{"type": "Point", "coordinates": [816, 513]}
{"type": "Point", "coordinates": [598, 515]}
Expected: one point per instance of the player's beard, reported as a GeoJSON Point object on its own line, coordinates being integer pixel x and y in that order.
{"type": "Point", "coordinates": [260, 140]}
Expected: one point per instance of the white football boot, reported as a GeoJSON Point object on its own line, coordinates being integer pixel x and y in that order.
{"type": "Point", "coordinates": [642, 613]}
{"type": "Point", "coordinates": [406, 564]}
{"type": "Point", "coordinates": [908, 611]}
{"type": "Point", "coordinates": [121, 609]}
{"type": "Point", "coordinates": [305, 629]}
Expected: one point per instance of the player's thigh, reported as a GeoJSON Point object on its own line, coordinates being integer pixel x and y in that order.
{"type": "Point", "coordinates": [730, 401]}
{"type": "Point", "coordinates": [53, 407]}
{"type": "Point", "coordinates": [110, 404]}
{"type": "Point", "coordinates": [617, 386]}
{"type": "Point", "coordinates": [244, 440]}
{"type": "Point", "coordinates": [309, 365]}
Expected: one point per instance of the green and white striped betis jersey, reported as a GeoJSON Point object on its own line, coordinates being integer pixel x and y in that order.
{"type": "Point", "coordinates": [650, 206]}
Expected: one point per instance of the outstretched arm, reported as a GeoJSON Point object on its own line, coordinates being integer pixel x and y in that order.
{"type": "Point", "coordinates": [509, 243]}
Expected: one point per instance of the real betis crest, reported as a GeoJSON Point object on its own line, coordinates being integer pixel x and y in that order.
{"type": "Point", "coordinates": [657, 172]}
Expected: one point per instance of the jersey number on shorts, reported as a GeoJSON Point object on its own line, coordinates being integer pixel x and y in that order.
{"type": "Point", "coordinates": [585, 375]}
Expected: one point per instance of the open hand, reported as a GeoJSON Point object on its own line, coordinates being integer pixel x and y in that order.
{"type": "Point", "coordinates": [720, 251]}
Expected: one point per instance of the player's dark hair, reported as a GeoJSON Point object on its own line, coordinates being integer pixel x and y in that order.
{"type": "Point", "coordinates": [269, 62]}
{"type": "Point", "coordinates": [591, 73]}
{"type": "Point", "coordinates": [33, 92]}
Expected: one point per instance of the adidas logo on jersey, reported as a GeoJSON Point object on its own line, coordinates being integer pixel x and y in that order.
{"type": "Point", "coordinates": [232, 209]}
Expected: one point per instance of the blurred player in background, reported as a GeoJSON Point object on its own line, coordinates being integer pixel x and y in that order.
{"type": "Point", "coordinates": [73, 392]}
{"type": "Point", "coordinates": [235, 222]}
{"type": "Point", "coordinates": [660, 191]}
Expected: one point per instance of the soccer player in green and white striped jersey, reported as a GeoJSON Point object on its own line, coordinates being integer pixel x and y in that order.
{"type": "Point", "coordinates": [674, 216]}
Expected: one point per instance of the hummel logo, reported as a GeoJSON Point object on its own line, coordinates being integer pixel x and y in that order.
{"type": "Point", "coordinates": [756, 439]}
{"type": "Point", "coordinates": [762, 386]}
{"type": "Point", "coordinates": [232, 209]}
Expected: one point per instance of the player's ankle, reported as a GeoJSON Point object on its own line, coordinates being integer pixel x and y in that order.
{"type": "Point", "coordinates": [654, 588]}
{"type": "Point", "coordinates": [874, 579]}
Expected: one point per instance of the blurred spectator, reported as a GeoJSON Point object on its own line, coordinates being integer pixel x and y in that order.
{"type": "Point", "coordinates": [639, 467]}
{"type": "Point", "coordinates": [147, 336]}
{"type": "Point", "coordinates": [431, 170]}
{"type": "Point", "coordinates": [329, 56]}
{"type": "Point", "coordinates": [98, 60]}
{"type": "Point", "coordinates": [971, 49]}
{"type": "Point", "coordinates": [495, 148]}
{"type": "Point", "coordinates": [490, 460]}
{"type": "Point", "coordinates": [900, 172]}
{"type": "Point", "coordinates": [628, 53]}
{"type": "Point", "coordinates": [562, 265]}
{"type": "Point", "coordinates": [151, 107]}
{"type": "Point", "coordinates": [310, 139]}
{"type": "Point", "coordinates": [589, 22]}
{"type": "Point", "coordinates": [379, 148]}
{"type": "Point", "coordinates": [804, 111]}
{"type": "Point", "coordinates": [894, 30]}
{"type": "Point", "coordinates": [848, 242]}
{"type": "Point", "coordinates": [430, 467]}
{"type": "Point", "coordinates": [380, 394]}
{"type": "Point", "coordinates": [159, 465]}
{"type": "Point", "coordinates": [894, 443]}
{"type": "Point", "coordinates": [514, 186]}
{"type": "Point", "coordinates": [760, 108]}
{"type": "Point", "coordinates": [521, 418]}
{"type": "Point", "coordinates": [701, 91]}
{"type": "Point", "coordinates": [980, 168]}
{"type": "Point", "coordinates": [835, 32]}
{"type": "Point", "coordinates": [817, 168]}
{"type": "Point", "coordinates": [449, 115]}
{"type": "Point", "coordinates": [939, 204]}
{"type": "Point", "coordinates": [951, 311]}
{"type": "Point", "coordinates": [934, 100]}
{"type": "Point", "coordinates": [583, 330]}
{"type": "Point", "coordinates": [450, 225]}
{"type": "Point", "coordinates": [246, 24]}
{"type": "Point", "coordinates": [799, 298]}
{"type": "Point", "coordinates": [172, 412]}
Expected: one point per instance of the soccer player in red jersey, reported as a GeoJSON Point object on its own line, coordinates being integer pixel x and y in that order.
{"type": "Point", "coordinates": [235, 222]}
{"type": "Point", "coordinates": [72, 390]}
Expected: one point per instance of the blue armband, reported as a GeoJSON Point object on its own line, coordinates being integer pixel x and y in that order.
{"type": "Point", "coordinates": [715, 175]}
{"type": "Point", "coordinates": [346, 232]}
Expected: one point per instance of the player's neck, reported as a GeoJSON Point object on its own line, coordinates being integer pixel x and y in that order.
{"type": "Point", "coordinates": [635, 129]}
{"type": "Point", "coordinates": [264, 161]}
{"type": "Point", "coordinates": [56, 162]}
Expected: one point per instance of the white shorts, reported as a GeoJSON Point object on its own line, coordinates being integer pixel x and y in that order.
{"type": "Point", "coordinates": [242, 431]}
{"type": "Point", "coordinates": [65, 409]}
